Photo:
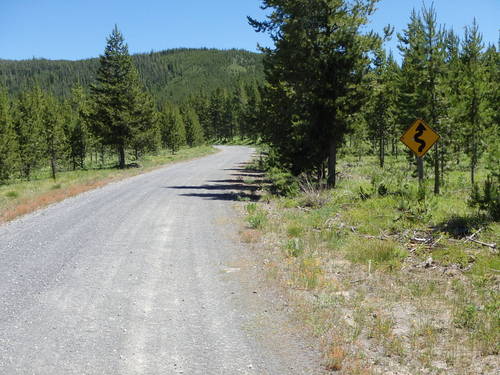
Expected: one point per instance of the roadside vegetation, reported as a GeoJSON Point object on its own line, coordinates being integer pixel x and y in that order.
{"type": "Point", "coordinates": [389, 278]}
{"type": "Point", "coordinates": [21, 197]}
{"type": "Point", "coordinates": [392, 276]}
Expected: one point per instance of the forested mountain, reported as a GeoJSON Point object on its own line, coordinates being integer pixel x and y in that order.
{"type": "Point", "coordinates": [169, 75]}
{"type": "Point", "coordinates": [63, 114]}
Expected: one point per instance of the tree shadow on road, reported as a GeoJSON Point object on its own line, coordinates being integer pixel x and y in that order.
{"type": "Point", "coordinates": [224, 190]}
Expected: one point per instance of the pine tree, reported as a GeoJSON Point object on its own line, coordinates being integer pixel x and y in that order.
{"type": "Point", "coordinates": [173, 131]}
{"type": "Point", "coordinates": [473, 91]}
{"type": "Point", "coordinates": [77, 130]}
{"type": "Point", "coordinates": [28, 117]}
{"type": "Point", "coordinates": [380, 111]}
{"type": "Point", "coordinates": [314, 73]}
{"type": "Point", "coordinates": [422, 46]}
{"type": "Point", "coordinates": [434, 60]}
{"type": "Point", "coordinates": [219, 121]}
{"type": "Point", "coordinates": [8, 141]}
{"type": "Point", "coordinates": [251, 122]}
{"type": "Point", "coordinates": [55, 143]}
{"type": "Point", "coordinates": [145, 129]}
{"type": "Point", "coordinates": [451, 135]}
{"type": "Point", "coordinates": [491, 62]}
{"type": "Point", "coordinates": [116, 103]}
{"type": "Point", "coordinates": [194, 131]}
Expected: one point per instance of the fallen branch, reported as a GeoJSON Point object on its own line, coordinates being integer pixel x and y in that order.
{"type": "Point", "coordinates": [423, 240]}
{"type": "Point", "coordinates": [471, 237]}
{"type": "Point", "coordinates": [490, 245]}
{"type": "Point", "coordinates": [436, 242]}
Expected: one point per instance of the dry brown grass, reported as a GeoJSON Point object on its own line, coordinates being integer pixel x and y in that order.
{"type": "Point", "coordinates": [335, 358]}
{"type": "Point", "coordinates": [43, 200]}
{"type": "Point", "coordinates": [250, 235]}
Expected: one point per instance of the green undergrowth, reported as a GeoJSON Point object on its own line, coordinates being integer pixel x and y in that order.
{"type": "Point", "coordinates": [402, 252]}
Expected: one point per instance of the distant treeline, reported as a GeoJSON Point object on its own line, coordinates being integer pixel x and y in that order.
{"type": "Point", "coordinates": [72, 114]}
{"type": "Point", "coordinates": [170, 75]}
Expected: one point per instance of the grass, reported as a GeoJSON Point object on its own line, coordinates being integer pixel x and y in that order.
{"type": "Point", "coordinates": [381, 254]}
{"type": "Point", "coordinates": [396, 283]}
{"type": "Point", "coordinates": [22, 197]}
{"type": "Point", "coordinates": [257, 218]}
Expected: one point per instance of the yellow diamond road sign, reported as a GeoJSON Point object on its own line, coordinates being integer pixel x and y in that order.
{"type": "Point", "coordinates": [419, 138]}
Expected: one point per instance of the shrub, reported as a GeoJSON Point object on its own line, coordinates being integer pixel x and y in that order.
{"type": "Point", "coordinates": [294, 247]}
{"type": "Point", "coordinates": [489, 200]}
{"type": "Point", "coordinates": [257, 218]}
{"type": "Point", "coordinates": [282, 182]}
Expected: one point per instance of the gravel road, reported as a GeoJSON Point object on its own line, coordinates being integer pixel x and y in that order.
{"type": "Point", "coordinates": [143, 276]}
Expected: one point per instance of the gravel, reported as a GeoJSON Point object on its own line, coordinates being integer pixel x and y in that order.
{"type": "Point", "coordinates": [143, 276]}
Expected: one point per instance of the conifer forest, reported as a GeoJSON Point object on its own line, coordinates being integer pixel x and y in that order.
{"type": "Point", "coordinates": [322, 90]}
{"type": "Point", "coordinates": [327, 88]}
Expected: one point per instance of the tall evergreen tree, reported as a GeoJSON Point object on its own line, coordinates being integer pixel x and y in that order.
{"type": "Point", "coordinates": [315, 71]}
{"type": "Point", "coordinates": [473, 91]}
{"type": "Point", "coordinates": [381, 110]}
{"type": "Point", "coordinates": [173, 131]}
{"type": "Point", "coordinates": [451, 135]}
{"type": "Point", "coordinates": [422, 47]}
{"type": "Point", "coordinates": [433, 60]}
{"type": "Point", "coordinates": [77, 130]}
{"type": "Point", "coordinates": [145, 128]}
{"type": "Point", "coordinates": [116, 105]}
{"type": "Point", "coordinates": [194, 131]}
{"type": "Point", "coordinates": [55, 144]}
{"type": "Point", "coordinates": [28, 127]}
{"type": "Point", "coordinates": [8, 141]}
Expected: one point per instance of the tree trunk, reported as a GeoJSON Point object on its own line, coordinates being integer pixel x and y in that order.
{"type": "Point", "coordinates": [332, 164]}
{"type": "Point", "coordinates": [473, 166]}
{"type": "Point", "coordinates": [442, 165]}
{"type": "Point", "coordinates": [437, 184]}
{"type": "Point", "coordinates": [27, 172]}
{"type": "Point", "coordinates": [53, 167]}
{"type": "Point", "coordinates": [473, 162]}
{"type": "Point", "coordinates": [121, 154]}
{"type": "Point", "coordinates": [381, 151]}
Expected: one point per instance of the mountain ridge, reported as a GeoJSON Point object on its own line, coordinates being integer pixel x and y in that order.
{"type": "Point", "coordinates": [170, 75]}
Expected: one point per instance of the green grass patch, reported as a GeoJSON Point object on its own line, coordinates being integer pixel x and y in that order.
{"type": "Point", "coordinates": [12, 194]}
{"type": "Point", "coordinates": [257, 217]}
{"type": "Point", "coordinates": [382, 254]}
{"type": "Point", "coordinates": [451, 255]}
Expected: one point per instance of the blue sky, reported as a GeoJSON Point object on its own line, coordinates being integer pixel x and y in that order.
{"type": "Point", "coordinates": [75, 29]}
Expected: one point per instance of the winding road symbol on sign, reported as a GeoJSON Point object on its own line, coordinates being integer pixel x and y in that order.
{"type": "Point", "coordinates": [419, 138]}
{"type": "Point", "coordinates": [420, 130]}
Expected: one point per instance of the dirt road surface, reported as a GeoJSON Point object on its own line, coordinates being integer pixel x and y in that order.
{"type": "Point", "coordinates": [143, 276]}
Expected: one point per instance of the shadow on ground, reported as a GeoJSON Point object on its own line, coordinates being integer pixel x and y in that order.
{"type": "Point", "coordinates": [241, 187]}
{"type": "Point", "coordinates": [462, 226]}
